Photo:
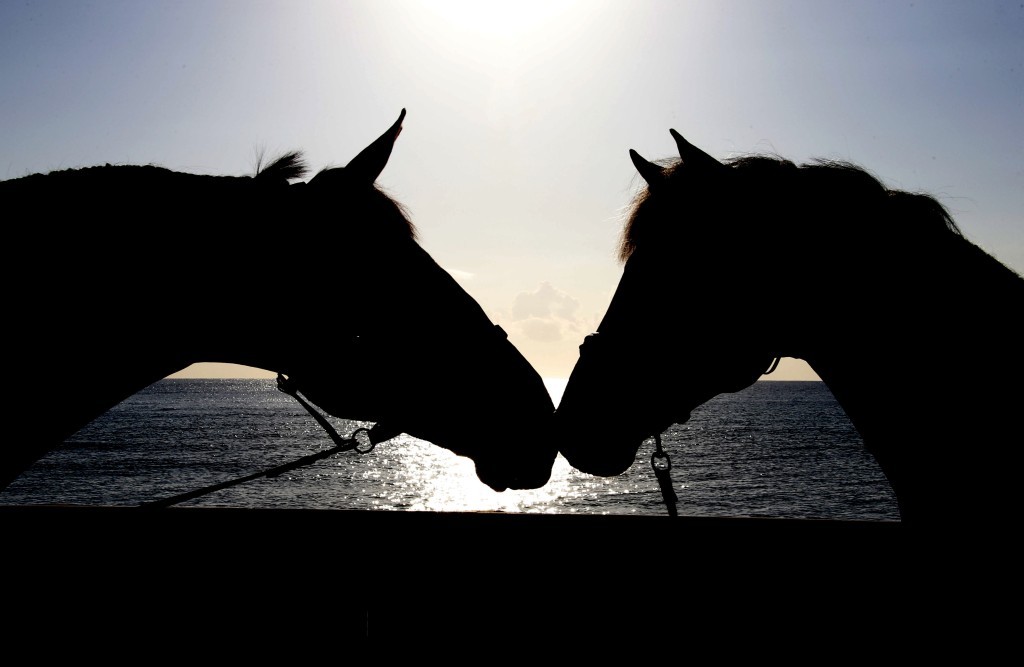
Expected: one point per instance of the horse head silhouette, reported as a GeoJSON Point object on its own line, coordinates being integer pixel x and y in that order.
{"type": "Point", "coordinates": [729, 266]}
{"type": "Point", "coordinates": [136, 272]}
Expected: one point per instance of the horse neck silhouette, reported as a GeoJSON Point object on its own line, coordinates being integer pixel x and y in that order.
{"type": "Point", "coordinates": [136, 272]}
{"type": "Point", "coordinates": [914, 329]}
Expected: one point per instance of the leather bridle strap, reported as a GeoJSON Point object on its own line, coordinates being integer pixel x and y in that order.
{"type": "Point", "coordinates": [362, 440]}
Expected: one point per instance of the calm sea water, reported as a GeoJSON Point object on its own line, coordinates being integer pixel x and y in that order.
{"type": "Point", "coordinates": [776, 449]}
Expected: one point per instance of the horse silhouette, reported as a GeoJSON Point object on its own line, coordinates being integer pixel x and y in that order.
{"type": "Point", "coordinates": [127, 274]}
{"type": "Point", "coordinates": [729, 266]}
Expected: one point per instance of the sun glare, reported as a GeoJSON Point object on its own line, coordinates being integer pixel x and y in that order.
{"type": "Point", "coordinates": [495, 20]}
{"type": "Point", "coordinates": [494, 34]}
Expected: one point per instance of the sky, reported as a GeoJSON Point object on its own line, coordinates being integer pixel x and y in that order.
{"type": "Point", "coordinates": [513, 161]}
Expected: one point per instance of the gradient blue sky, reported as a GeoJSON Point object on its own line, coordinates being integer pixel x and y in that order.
{"type": "Point", "coordinates": [513, 160]}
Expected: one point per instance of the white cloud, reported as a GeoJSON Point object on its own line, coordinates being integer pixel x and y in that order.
{"type": "Point", "coordinates": [545, 331]}
{"type": "Point", "coordinates": [544, 302]}
{"type": "Point", "coordinates": [461, 275]}
{"type": "Point", "coordinates": [547, 315]}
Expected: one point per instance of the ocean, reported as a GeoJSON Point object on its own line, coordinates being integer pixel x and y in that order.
{"type": "Point", "coordinates": [777, 449]}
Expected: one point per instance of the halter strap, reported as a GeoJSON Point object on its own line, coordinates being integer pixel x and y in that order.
{"type": "Point", "coordinates": [362, 441]}
{"type": "Point", "coordinates": [662, 465]}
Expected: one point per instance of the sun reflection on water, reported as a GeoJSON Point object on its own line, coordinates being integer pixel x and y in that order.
{"type": "Point", "coordinates": [437, 480]}
{"type": "Point", "coordinates": [432, 479]}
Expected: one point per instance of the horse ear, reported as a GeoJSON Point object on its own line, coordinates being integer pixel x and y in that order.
{"type": "Point", "coordinates": [371, 160]}
{"type": "Point", "coordinates": [692, 155]}
{"type": "Point", "coordinates": [652, 173]}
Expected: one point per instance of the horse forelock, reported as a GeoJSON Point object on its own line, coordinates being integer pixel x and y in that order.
{"type": "Point", "coordinates": [397, 218]}
{"type": "Point", "coordinates": [373, 208]}
{"type": "Point", "coordinates": [779, 197]}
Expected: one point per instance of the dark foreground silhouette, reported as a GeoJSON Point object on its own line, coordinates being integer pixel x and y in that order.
{"type": "Point", "coordinates": [730, 266]}
{"type": "Point", "coordinates": [127, 274]}
{"type": "Point", "coordinates": [132, 280]}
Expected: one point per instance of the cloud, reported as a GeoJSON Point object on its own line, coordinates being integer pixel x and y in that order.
{"type": "Point", "coordinates": [544, 302]}
{"type": "Point", "coordinates": [547, 315]}
{"type": "Point", "coordinates": [461, 275]}
{"type": "Point", "coordinates": [541, 330]}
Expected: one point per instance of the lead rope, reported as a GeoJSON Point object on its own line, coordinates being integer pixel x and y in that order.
{"type": "Point", "coordinates": [342, 444]}
{"type": "Point", "coordinates": [662, 465]}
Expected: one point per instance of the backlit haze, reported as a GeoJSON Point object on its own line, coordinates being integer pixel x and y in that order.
{"type": "Point", "coordinates": [514, 160]}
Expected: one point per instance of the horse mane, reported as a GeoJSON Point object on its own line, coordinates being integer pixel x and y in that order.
{"type": "Point", "coordinates": [820, 183]}
{"type": "Point", "coordinates": [73, 183]}
{"type": "Point", "coordinates": [288, 167]}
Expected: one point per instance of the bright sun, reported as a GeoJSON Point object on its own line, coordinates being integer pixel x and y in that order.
{"type": "Point", "coordinates": [496, 20]}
